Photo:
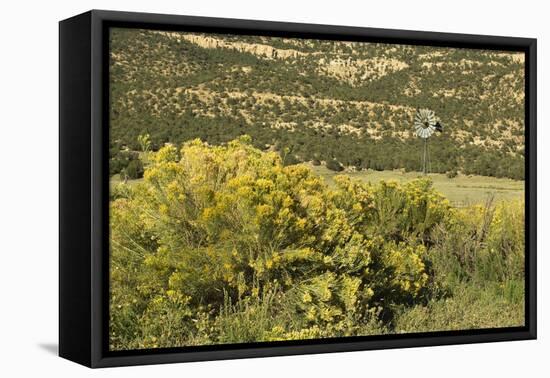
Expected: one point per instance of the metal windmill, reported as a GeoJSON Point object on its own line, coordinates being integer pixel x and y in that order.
{"type": "Point", "coordinates": [425, 124]}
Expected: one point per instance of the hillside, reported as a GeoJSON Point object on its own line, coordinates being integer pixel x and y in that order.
{"type": "Point", "coordinates": [324, 101]}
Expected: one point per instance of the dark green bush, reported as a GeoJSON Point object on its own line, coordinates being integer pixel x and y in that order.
{"type": "Point", "coordinates": [334, 165]}
{"type": "Point", "coordinates": [452, 173]}
{"type": "Point", "coordinates": [134, 170]}
{"type": "Point", "coordinates": [121, 159]}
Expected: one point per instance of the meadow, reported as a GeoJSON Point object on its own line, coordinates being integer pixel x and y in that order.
{"type": "Point", "coordinates": [462, 190]}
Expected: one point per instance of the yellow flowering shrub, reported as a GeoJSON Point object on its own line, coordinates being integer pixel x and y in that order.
{"type": "Point", "coordinates": [213, 231]}
{"type": "Point", "coordinates": [409, 210]}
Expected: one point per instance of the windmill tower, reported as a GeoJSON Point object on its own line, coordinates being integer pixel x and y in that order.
{"type": "Point", "coordinates": [425, 124]}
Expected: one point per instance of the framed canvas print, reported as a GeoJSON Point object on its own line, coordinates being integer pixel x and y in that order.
{"type": "Point", "coordinates": [234, 188]}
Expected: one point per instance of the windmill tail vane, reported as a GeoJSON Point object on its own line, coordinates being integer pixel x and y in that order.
{"type": "Point", "coordinates": [425, 125]}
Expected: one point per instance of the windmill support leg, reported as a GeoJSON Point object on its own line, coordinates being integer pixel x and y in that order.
{"type": "Point", "coordinates": [428, 160]}
{"type": "Point", "coordinates": [424, 157]}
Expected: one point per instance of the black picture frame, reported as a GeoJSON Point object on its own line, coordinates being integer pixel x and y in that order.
{"type": "Point", "coordinates": [84, 188]}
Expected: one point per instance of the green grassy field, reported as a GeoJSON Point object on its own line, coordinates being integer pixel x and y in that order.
{"type": "Point", "coordinates": [461, 190]}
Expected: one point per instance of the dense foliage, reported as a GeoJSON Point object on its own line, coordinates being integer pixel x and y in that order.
{"type": "Point", "coordinates": [325, 100]}
{"type": "Point", "coordinates": [226, 244]}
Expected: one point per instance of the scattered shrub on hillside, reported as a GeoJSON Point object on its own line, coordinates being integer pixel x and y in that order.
{"type": "Point", "coordinates": [146, 97]}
